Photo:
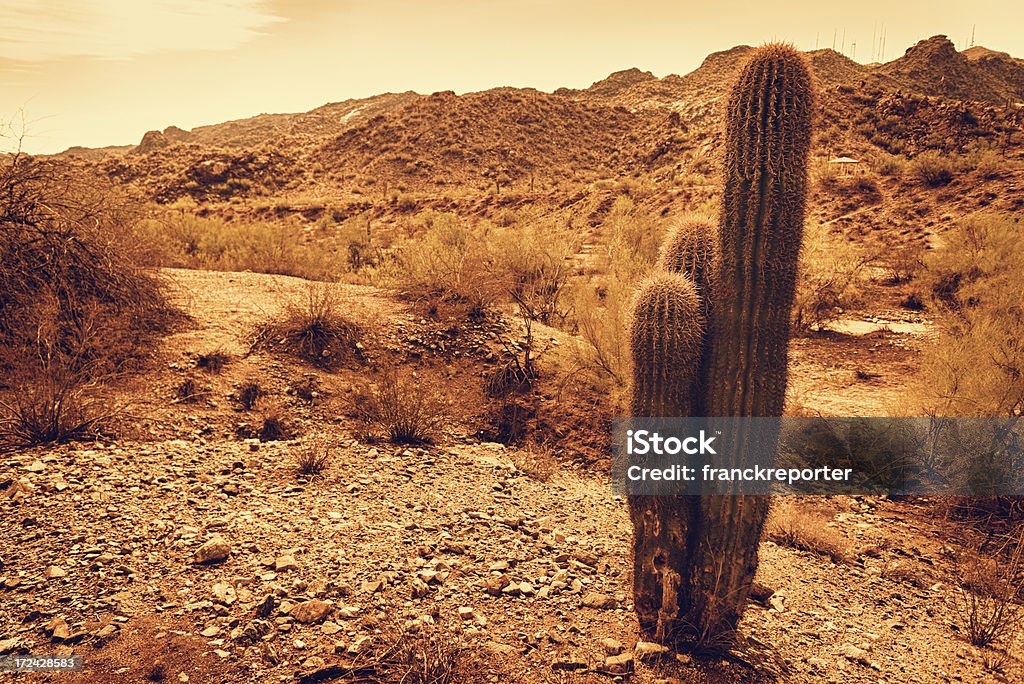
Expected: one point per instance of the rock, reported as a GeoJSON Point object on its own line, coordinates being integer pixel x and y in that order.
{"type": "Point", "coordinates": [210, 632]}
{"type": "Point", "coordinates": [854, 654]}
{"type": "Point", "coordinates": [59, 629]}
{"type": "Point", "coordinates": [465, 612]}
{"type": "Point", "coordinates": [494, 584]}
{"type": "Point", "coordinates": [359, 645]}
{"type": "Point", "coordinates": [418, 588]}
{"type": "Point", "coordinates": [611, 646]}
{"type": "Point", "coordinates": [526, 589]}
{"type": "Point", "coordinates": [371, 586]}
{"type": "Point", "coordinates": [311, 612]}
{"type": "Point", "coordinates": [619, 665]}
{"type": "Point", "coordinates": [54, 572]}
{"type": "Point", "coordinates": [777, 602]}
{"type": "Point", "coordinates": [215, 550]}
{"type": "Point", "coordinates": [285, 562]}
{"type": "Point", "coordinates": [599, 601]}
{"type": "Point", "coordinates": [8, 645]}
{"type": "Point", "coordinates": [330, 628]}
{"type": "Point", "coordinates": [648, 650]}
{"type": "Point", "coordinates": [266, 607]}
{"type": "Point", "coordinates": [348, 612]}
{"type": "Point", "coordinates": [36, 466]}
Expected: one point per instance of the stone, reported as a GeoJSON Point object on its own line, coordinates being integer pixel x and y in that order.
{"type": "Point", "coordinates": [611, 646]}
{"type": "Point", "coordinates": [311, 612]}
{"type": "Point", "coordinates": [619, 665]}
{"type": "Point", "coordinates": [215, 550]}
{"type": "Point", "coordinates": [59, 628]}
{"type": "Point", "coordinates": [285, 562]}
{"type": "Point", "coordinates": [330, 628]}
{"type": "Point", "coordinates": [210, 632]}
{"type": "Point", "coordinates": [599, 601]}
{"type": "Point", "coordinates": [36, 466]}
{"type": "Point", "coordinates": [54, 572]}
{"type": "Point", "coordinates": [648, 650]}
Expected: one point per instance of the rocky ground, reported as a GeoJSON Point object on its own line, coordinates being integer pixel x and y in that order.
{"type": "Point", "coordinates": [189, 553]}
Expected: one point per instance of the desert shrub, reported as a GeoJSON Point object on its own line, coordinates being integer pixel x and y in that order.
{"type": "Point", "coordinates": [792, 527]}
{"type": "Point", "coordinates": [67, 259]}
{"type": "Point", "coordinates": [450, 260]}
{"type": "Point", "coordinates": [630, 249]}
{"type": "Point", "coordinates": [414, 653]}
{"type": "Point", "coordinates": [904, 263]}
{"type": "Point", "coordinates": [889, 165]}
{"type": "Point", "coordinates": [189, 241]}
{"type": "Point", "coordinates": [249, 394]}
{"type": "Point", "coordinates": [312, 459]}
{"type": "Point", "coordinates": [934, 168]}
{"type": "Point", "coordinates": [213, 361]}
{"type": "Point", "coordinates": [273, 427]}
{"type": "Point", "coordinates": [57, 401]}
{"type": "Point", "coordinates": [973, 363]}
{"type": "Point", "coordinates": [188, 391]}
{"type": "Point", "coordinates": [75, 307]}
{"type": "Point", "coordinates": [833, 271]}
{"type": "Point", "coordinates": [313, 329]}
{"type": "Point", "coordinates": [988, 591]}
{"type": "Point", "coordinates": [402, 409]}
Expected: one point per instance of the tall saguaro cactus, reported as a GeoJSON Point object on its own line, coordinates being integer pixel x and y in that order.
{"type": "Point", "coordinates": [748, 287]}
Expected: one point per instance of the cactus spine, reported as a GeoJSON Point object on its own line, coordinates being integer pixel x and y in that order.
{"type": "Point", "coordinates": [749, 291]}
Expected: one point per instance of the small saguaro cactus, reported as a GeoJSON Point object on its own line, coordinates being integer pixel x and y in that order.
{"type": "Point", "coordinates": [666, 336]}
{"type": "Point", "coordinates": [746, 278]}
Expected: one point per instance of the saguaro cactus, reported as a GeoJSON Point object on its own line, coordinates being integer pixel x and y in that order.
{"type": "Point", "coordinates": [742, 369]}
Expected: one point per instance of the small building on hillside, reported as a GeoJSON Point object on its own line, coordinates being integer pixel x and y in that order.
{"type": "Point", "coordinates": [847, 165]}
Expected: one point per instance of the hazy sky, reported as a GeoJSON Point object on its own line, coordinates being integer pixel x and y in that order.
{"type": "Point", "coordinates": [103, 72]}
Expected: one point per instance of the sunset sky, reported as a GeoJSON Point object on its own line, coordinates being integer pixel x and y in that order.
{"type": "Point", "coordinates": [103, 72]}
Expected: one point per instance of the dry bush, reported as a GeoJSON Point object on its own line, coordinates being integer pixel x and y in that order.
{"type": "Point", "coordinates": [934, 168]}
{"type": "Point", "coordinates": [792, 527]}
{"type": "Point", "coordinates": [415, 654]}
{"type": "Point", "coordinates": [187, 241]}
{"type": "Point", "coordinates": [69, 271]}
{"type": "Point", "coordinates": [312, 459]}
{"type": "Point", "coordinates": [973, 364]}
{"type": "Point", "coordinates": [602, 302]}
{"type": "Point", "coordinates": [989, 591]}
{"type": "Point", "coordinates": [405, 411]}
{"type": "Point", "coordinates": [536, 460]}
{"type": "Point", "coordinates": [450, 260]}
{"type": "Point", "coordinates": [314, 330]}
{"type": "Point", "coordinates": [213, 361]}
{"type": "Point", "coordinates": [833, 271]}
{"type": "Point", "coordinates": [58, 401]}
{"type": "Point", "coordinates": [189, 391]}
{"type": "Point", "coordinates": [249, 394]}
{"type": "Point", "coordinates": [273, 427]}
{"type": "Point", "coordinates": [890, 165]}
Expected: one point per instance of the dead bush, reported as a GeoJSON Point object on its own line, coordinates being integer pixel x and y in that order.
{"type": "Point", "coordinates": [273, 427]}
{"type": "Point", "coordinates": [313, 330]}
{"type": "Point", "coordinates": [189, 391]}
{"type": "Point", "coordinates": [213, 361]}
{"type": "Point", "coordinates": [413, 654]}
{"type": "Point", "coordinates": [249, 394]}
{"type": "Point", "coordinates": [933, 168]}
{"type": "Point", "coordinates": [56, 402]}
{"type": "Point", "coordinates": [312, 459]}
{"type": "Point", "coordinates": [988, 593]}
{"type": "Point", "coordinates": [833, 272]}
{"type": "Point", "coordinates": [405, 411]}
{"type": "Point", "coordinates": [792, 527]}
{"type": "Point", "coordinates": [67, 258]}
